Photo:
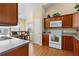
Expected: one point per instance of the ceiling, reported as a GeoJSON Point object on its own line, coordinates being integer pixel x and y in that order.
{"type": "Point", "coordinates": [27, 8]}
{"type": "Point", "coordinates": [47, 5]}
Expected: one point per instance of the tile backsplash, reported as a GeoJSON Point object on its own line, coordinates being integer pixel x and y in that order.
{"type": "Point", "coordinates": [63, 29]}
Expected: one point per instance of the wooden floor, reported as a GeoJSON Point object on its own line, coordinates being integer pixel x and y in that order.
{"type": "Point", "coordinates": [37, 50]}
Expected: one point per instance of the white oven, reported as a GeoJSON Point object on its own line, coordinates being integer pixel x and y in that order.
{"type": "Point", "coordinates": [55, 39]}
{"type": "Point", "coordinates": [56, 24]}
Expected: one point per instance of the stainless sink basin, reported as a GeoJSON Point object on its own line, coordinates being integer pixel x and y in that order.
{"type": "Point", "coordinates": [4, 38]}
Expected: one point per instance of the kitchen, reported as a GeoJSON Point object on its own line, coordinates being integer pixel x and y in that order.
{"type": "Point", "coordinates": [10, 45]}
{"type": "Point", "coordinates": [39, 29]}
{"type": "Point", "coordinates": [61, 31]}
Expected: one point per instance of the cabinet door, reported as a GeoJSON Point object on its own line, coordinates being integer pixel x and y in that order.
{"type": "Point", "coordinates": [44, 23]}
{"type": "Point", "coordinates": [8, 13]}
{"type": "Point", "coordinates": [45, 40]}
{"type": "Point", "coordinates": [76, 47]}
{"type": "Point", "coordinates": [76, 19]}
{"type": "Point", "coordinates": [67, 21]}
{"type": "Point", "coordinates": [47, 23]}
{"type": "Point", "coordinates": [67, 43]}
{"type": "Point", "coordinates": [21, 51]}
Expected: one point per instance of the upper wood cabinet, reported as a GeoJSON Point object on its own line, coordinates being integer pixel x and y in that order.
{"type": "Point", "coordinates": [8, 14]}
{"type": "Point", "coordinates": [76, 19]}
{"type": "Point", "coordinates": [48, 20]}
{"type": "Point", "coordinates": [55, 18]}
{"type": "Point", "coordinates": [67, 21]}
{"type": "Point", "coordinates": [47, 23]}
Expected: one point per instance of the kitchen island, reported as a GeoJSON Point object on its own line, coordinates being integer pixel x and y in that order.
{"type": "Point", "coordinates": [14, 47]}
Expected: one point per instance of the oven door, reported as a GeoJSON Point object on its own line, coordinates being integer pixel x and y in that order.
{"type": "Point", "coordinates": [55, 38]}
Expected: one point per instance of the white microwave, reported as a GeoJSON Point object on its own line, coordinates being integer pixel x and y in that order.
{"type": "Point", "coordinates": [56, 24]}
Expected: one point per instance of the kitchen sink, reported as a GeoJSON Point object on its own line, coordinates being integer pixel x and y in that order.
{"type": "Point", "coordinates": [4, 38]}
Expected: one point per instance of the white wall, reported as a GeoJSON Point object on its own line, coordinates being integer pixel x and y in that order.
{"type": "Point", "coordinates": [37, 23]}
{"type": "Point", "coordinates": [63, 8]}
{"type": "Point", "coordinates": [33, 14]}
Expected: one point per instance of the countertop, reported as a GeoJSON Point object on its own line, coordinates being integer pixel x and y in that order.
{"type": "Point", "coordinates": [9, 44]}
{"type": "Point", "coordinates": [73, 34]}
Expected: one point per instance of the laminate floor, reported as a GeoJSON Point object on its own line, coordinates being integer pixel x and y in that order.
{"type": "Point", "coordinates": [37, 50]}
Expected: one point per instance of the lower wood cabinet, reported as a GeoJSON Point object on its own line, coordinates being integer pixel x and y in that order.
{"type": "Point", "coordinates": [20, 51]}
{"type": "Point", "coordinates": [67, 43]}
{"type": "Point", "coordinates": [45, 40]}
{"type": "Point", "coordinates": [76, 47]}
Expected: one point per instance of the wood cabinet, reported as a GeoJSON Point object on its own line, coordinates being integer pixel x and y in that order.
{"type": "Point", "coordinates": [76, 19]}
{"type": "Point", "coordinates": [8, 13]}
{"type": "Point", "coordinates": [56, 18]}
{"type": "Point", "coordinates": [67, 21]}
{"type": "Point", "coordinates": [76, 47]}
{"type": "Point", "coordinates": [48, 20]}
{"type": "Point", "coordinates": [20, 51]}
{"type": "Point", "coordinates": [47, 23]}
{"type": "Point", "coordinates": [67, 43]}
{"type": "Point", "coordinates": [45, 40]}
